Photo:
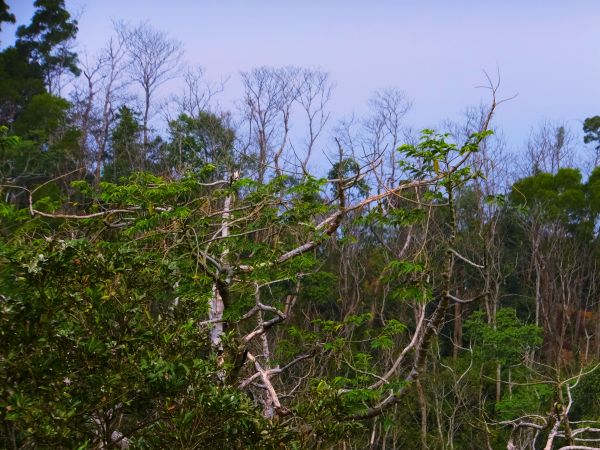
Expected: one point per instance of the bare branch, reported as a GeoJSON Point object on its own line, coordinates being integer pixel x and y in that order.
{"type": "Point", "coordinates": [468, 261]}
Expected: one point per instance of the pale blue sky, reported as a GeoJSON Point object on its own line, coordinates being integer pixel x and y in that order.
{"type": "Point", "coordinates": [547, 51]}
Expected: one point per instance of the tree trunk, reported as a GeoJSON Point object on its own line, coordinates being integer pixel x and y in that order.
{"type": "Point", "coordinates": [217, 305]}
{"type": "Point", "coordinates": [458, 331]}
{"type": "Point", "coordinates": [423, 411]}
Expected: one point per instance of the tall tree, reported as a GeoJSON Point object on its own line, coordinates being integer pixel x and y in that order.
{"type": "Point", "coordinates": [95, 98]}
{"type": "Point", "coordinates": [549, 148]}
{"type": "Point", "coordinates": [127, 154]}
{"type": "Point", "coordinates": [591, 128]}
{"type": "Point", "coordinates": [269, 94]}
{"type": "Point", "coordinates": [195, 142]}
{"type": "Point", "coordinates": [153, 59]}
{"type": "Point", "coordinates": [20, 81]}
{"type": "Point", "coordinates": [5, 15]}
{"type": "Point", "coordinates": [47, 41]}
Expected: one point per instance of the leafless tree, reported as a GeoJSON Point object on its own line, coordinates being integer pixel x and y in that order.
{"type": "Point", "coordinates": [269, 94]}
{"type": "Point", "coordinates": [550, 147]}
{"type": "Point", "coordinates": [314, 93]}
{"type": "Point", "coordinates": [95, 100]}
{"type": "Point", "coordinates": [271, 97]}
{"type": "Point", "coordinates": [112, 89]}
{"type": "Point", "coordinates": [154, 58]}
{"type": "Point", "coordinates": [83, 97]}
{"type": "Point", "coordinates": [389, 107]}
{"type": "Point", "coordinates": [198, 92]}
{"type": "Point", "coordinates": [384, 128]}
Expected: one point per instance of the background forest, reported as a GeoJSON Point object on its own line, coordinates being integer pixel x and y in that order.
{"type": "Point", "coordinates": [174, 275]}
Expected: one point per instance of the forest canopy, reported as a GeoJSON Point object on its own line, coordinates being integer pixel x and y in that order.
{"type": "Point", "coordinates": [176, 275]}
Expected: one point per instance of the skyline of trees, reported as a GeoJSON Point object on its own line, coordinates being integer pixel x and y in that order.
{"type": "Point", "coordinates": [173, 275]}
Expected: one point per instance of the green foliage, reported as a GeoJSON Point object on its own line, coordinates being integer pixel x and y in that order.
{"type": "Point", "coordinates": [318, 288]}
{"type": "Point", "coordinates": [385, 340]}
{"type": "Point", "coordinates": [42, 117]}
{"type": "Point", "coordinates": [434, 155]}
{"type": "Point", "coordinates": [48, 144]}
{"type": "Point", "coordinates": [349, 168]}
{"type": "Point", "coordinates": [103, 319]}
{"type": "Point", "coordinates": [586, 395]}
{"type": "Point", "coordinates": [127, 153]}
{"type": "Point", "coordinates": [7, 144]}
{"type": "Point", "coordinates": [558, 195]}
{"type": "Point", "coordinates": [90, 325]}
{"type": "Point", "coordinates": [19, 82]}
{"type": "Point", "coordinates": [46, 39]}
{"type": "Point", "coordinates": [102, 313]}
{"type": "Point", "coordinates": [210, 416]}
{"type": "Point", "coordinates": [505, 341]}
{"type": "Point", "coordinates": [591, 128]}
{"type": "Point", "coordinates": [525, 400]}
{"type": "Point", "coordinates": [561, 198]}
{"type": "Point", "coordinates": [196, 142]}
{"type": "Point", "coordinates": [5, 15]}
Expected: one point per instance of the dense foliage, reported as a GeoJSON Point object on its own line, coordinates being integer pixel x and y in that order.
{"type": "Point", "coordinates": [201, 287]}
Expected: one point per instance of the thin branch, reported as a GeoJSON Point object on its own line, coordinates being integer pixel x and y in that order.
{"type": "Point", "coordinates": [465, 301]}
{"type": "Point", "coordinates": [385, 378]}
{"type": "Point", "coordinates": [465, 259]}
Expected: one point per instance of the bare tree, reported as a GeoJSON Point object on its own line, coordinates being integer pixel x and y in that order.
{"type": "Point", "coordinates": [383, 128]}
{"type": "Point", "coordinates": [268, 99]}
{"type": "Point", "coordinates": [314, 92]}
{"type": "Point", "coordinates": [198, 93]}
{"type": "Point", "coordinates": [153, 59]}
{"type": "Point", "coordinates": [112, 86]}
{"type": "Point", "coordinates": [271, 97]}
{"type": "Point", "coordinates": [389, 107]}
{"type": "Point", "coordinates": [95, 100]}
{"type": "Point", "coordinates": [549, 148]}
{"type": "Point", "coordinates": [83, 97]}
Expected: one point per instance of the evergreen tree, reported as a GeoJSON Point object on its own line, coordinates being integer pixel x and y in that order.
{"type": "Point", "coordinates": [46, 41]}
{"type": "Point", "coordinates": [20, 81]}
{"type": "Point", "coordinates": [127, 152]}
{"type": "Point", "coordinates": [196, 142]}
{"type": "Point", "coordinates": [5, 15]}
{"type": "Point", "coordinates": [591, 128]}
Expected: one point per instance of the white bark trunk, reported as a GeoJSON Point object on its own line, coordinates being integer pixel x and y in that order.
{"type": "Point", "coordinates": [215, 315]}
{"type": "Point", "coordinates": [217, 307]}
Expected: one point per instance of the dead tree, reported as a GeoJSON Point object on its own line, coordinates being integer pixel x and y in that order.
{"type": "Point", "coordinates": [154, 59]}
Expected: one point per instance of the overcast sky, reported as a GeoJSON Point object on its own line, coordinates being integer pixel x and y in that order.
{"type": "Point", "coordinates": [548, 52]}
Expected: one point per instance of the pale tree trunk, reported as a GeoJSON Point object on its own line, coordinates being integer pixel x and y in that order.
{"type": "Point", "coordinates": [146, 115]}
{"type": "Point", "coordinates": [217, 305]}
{"type": "Point", "coordinates": [85, 118]}
{"type": "Point", "coordinates": [373, 435]}
{"type": "Point", "coordinates": [105, 424]}
{"type": "Point", "coordinates": [267, 399]}
{"type": "Point", "coordinates": [286, 129]}
{"type": "Point", "coordinates": [215, 316]}
{"type": "Point", "coordinates": [498, 382]}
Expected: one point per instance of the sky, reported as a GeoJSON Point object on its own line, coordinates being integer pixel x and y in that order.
{"type": "Point", "coordinates": [547, 52]}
